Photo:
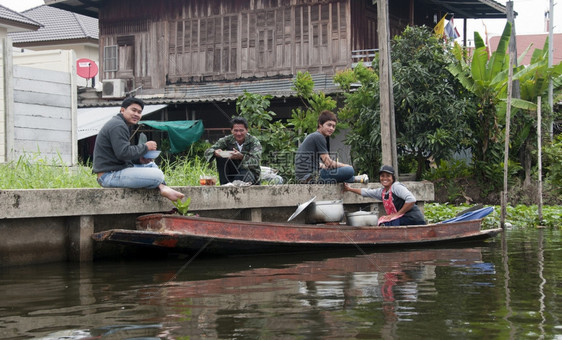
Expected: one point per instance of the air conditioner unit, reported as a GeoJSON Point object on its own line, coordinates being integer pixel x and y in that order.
{"type": "Point", "coordinates": [113, 88]}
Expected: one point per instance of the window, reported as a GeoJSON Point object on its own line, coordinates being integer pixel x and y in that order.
{"type": "Point", "coordinates": [110, 58]}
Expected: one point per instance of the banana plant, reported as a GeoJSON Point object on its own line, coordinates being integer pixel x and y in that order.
{"type": "Point", "coordinates": [487, 79]}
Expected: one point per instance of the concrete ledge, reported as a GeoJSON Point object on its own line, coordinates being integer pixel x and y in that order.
{"type": "Point", "coordinates": [40, 226]}
{"type": "Point", "coordinates": [101, 201]}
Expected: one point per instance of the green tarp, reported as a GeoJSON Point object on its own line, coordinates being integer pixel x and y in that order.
{"type": "Point", "coordinates": [182, 133]}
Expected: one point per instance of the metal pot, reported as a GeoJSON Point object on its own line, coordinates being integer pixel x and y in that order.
{"type": "Point", "coordinates": [324, 212]}
{"type": "Point", "coordinates": [362, 218]}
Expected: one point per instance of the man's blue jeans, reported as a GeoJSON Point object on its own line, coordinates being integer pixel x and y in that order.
{"type": "Point", "coordinates": [338, 175]}
{"type": "Point", "coordinates": [140, 176]}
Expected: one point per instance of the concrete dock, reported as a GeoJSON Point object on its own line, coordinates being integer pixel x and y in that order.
{"type": "Point", "coordinates": [54, 225]}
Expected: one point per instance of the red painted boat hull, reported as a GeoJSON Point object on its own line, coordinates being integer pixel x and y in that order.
{"type": "Point", "coordinates": [223, 236]}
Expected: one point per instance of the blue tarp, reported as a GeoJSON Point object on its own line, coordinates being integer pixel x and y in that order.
{"type": "Point", "coordinates": [471, 215]}
{"type": "Point", "coordinates": [182, 133]}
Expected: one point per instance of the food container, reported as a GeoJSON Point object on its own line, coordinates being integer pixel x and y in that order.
{"type": "Point", "coordinates": [362, 218]}
{"type": "Point", "coordinates": [226, 153]}
{"type": "Point", "coordinates": [324, 212]}
{"type": "Point", "coordinates": [207, 180]}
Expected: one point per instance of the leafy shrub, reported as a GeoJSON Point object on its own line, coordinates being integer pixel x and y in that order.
{"type": "Point", "coordinates": [553, 157]}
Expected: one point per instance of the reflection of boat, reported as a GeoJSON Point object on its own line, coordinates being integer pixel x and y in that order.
{"type": "Point", "coordinates": [317, 270]}
{"type": "Point", "coordinates": [224, 236]}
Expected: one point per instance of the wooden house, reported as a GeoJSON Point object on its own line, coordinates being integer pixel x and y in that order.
{"type": "Point", "coordinates": [197, 56]}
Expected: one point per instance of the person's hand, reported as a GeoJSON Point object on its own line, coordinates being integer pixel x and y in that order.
{"type": "Point", "coordinates": [151, 145]}
{"type": "Point", "coordinates": [346, 187]}
{"type": "Point", "coordinates": [236, 155]}
{"type": "Point", "coordinates": [217, 152]}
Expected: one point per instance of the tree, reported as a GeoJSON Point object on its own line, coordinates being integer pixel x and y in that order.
{"type": "Point", "coordinates": [430, 104]}
{"type": "Point", "coordinates": [277, 141]}
{"type": "Point", "coordinates": [486, 78]}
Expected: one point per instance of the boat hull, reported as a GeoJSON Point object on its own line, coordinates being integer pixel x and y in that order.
{"type": "Point", "coordinates": [220, 236]}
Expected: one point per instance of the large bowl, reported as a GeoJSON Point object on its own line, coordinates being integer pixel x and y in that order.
{"type": "Point", "coordinates": [362, 218]}
{"type": "Point", "coordinates": [324, 212]}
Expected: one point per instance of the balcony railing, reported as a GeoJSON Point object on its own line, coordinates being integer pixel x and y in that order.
{"type": "Point", "coordinates": [365, 56]}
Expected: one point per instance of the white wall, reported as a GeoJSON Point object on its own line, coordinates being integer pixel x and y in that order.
{"type": "Point", "coordinates": [44, 97]}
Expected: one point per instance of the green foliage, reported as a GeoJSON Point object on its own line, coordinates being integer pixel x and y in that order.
{"type": "Point", "coordinates": [362, 114]}
{"type": "Point", "coordinates": [276, 139]}
{"type": "Point", "coordinates": [305, 119]}
{"type": "Point", "coordinates": [447, 175]}
{"type": "Point", "coordinates": [32, 171]}
{"type": "Point", "coordinates": [487, 80]}
{"type": "Point", "coordinates": [183, 207]}
{"type": "Point", "coordinates": [253, 107]}
{"type": "Point", "coordinates": [517, 216]}
{"type": "Point", "coordinates": [430, 104]}
{"type": "Point", "coordinates": [553, 156]}
{"type": "Point", "coordinates": [186, 171]}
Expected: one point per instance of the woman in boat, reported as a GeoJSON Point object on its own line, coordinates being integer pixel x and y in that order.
{"type": "Point", "coordinates": [399, 203]}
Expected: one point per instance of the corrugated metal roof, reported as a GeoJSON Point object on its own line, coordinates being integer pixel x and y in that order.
{"type": "Point", "coordinates": [225, 91]}
{"type": "Point", "coordinates": [15, 21]}
{"type": "Point", "coordinates": [58, 25]}
{"type": "Point", "coordinates": [478, 9]}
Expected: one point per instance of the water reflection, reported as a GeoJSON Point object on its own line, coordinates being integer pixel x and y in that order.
{"type": "Point", "coordinates": [281, 296]}
{"type": "Point", "coordinates": [420, 293]}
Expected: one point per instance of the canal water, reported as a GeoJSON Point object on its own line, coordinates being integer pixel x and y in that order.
{"type": "Point", "coordinates": [507, 288]}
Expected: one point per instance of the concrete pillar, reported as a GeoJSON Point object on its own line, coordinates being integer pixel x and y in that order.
{"type": "Point", "coordinates": [255, 215]}
{"type": "Point", "coordinates": [80, 243]}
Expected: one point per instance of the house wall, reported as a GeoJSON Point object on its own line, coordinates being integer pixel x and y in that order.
{"type": "Point", "coordinates": [45, 105]}
{"type": "Point", "coordinates": [88, 51]}
{"type": "Point", "coordinates": [164, 42]}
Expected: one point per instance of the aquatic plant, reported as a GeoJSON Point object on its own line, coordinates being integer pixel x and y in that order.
{"type": "Point", "coordinates": [183, 207]}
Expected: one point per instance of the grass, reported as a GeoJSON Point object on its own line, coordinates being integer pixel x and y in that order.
{"type": "Point", "coordinates": [31, 171]}
{"type": "Point", "coordinates": [186, 171]}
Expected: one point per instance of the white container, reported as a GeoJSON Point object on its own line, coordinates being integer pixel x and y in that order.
{"type": "Point", "coordinates": [362, 218]}
{"type": "Point", "coordinates": [324, 212]}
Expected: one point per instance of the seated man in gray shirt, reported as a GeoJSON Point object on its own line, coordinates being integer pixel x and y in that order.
{"type": "Point", "coordinates": [118, 164]}
{"type": "Point", "coordinates": [312, 161]}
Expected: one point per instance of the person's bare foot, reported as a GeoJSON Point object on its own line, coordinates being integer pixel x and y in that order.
{"type": "Point", "coordinates": [170, 193]}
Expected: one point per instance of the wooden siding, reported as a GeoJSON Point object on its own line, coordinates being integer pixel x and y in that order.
{"type": "Point", "coordinates": [364, 32]}
{"type": "Point", "coordinates": [42, 113]}
{"type": "Point", "coordinates": [175, 42]}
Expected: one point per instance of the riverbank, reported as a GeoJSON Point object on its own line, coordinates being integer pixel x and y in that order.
{"type": "Point", "coordinates": [52, 225]}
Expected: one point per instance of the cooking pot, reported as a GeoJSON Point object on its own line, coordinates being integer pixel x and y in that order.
{"type": "Point", "coordinates": [324, 212]}
{"type": "Point", "coordinates": [362, 218]}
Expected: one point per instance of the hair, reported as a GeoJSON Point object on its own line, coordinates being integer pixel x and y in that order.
{"type": "Point", "coordinates": [239, 120]}
{"type": "Point", "coordinates": [132, 100]}
{"type": "Point", "coordinates": [326, 116]}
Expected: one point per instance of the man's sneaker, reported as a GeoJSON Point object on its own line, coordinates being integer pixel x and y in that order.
{"type": "Point", "coordinates": [361, 179]}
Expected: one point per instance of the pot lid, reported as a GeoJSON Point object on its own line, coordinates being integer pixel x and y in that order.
{"type": "Point", "coordinates": [301, 208]}
{"type": "Point", "coordinates": [361, 213]}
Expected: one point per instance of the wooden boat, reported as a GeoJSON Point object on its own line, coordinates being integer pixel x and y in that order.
{"type": "Point", "coordinates": [225, 236]}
